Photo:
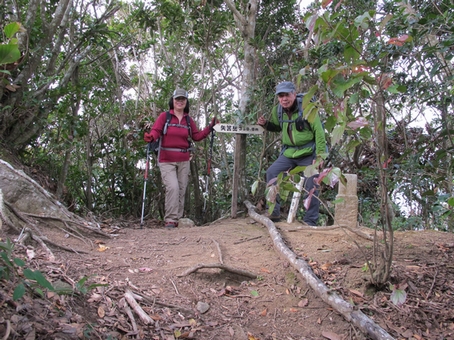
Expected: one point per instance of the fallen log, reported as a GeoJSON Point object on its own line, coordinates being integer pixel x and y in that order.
{"type": "Point", "coordinates": [349, 312]}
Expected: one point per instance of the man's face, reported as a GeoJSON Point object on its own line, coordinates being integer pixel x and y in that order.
{"type": "Point", "coordinates": [286, 99]}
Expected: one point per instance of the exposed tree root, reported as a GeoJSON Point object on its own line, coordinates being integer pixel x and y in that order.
{"type": "Point", "coordinates": [220, 265]}
{"type": "Point", "coordinates": [85, 227]}
{"type": "Point", "coordinates": [356, 317]}
{"type": "Point", "coordinates": [26, 225]}
{"type": "Point", "coordinates": [22, 202]}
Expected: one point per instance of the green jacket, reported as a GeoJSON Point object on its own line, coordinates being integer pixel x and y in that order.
{"type": "Point", "coordinates": [294, 141]}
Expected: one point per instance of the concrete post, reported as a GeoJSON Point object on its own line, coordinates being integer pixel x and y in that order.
{"type": "Point", "coordinates": [346, 212]}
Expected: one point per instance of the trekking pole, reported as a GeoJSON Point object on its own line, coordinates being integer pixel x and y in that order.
{"type": "Point", "coordinates": [144, 197]}
{"type": "Point", "coordinates": [205, 195]}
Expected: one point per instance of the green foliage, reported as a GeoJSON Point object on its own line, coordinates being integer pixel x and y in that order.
{"type": "Point", "coordinates": [10, 271]}
{"type": "Point", "coordinates": [83, 287]}
{"type": "Point", "coordinates": [84, 127]}
{"type": "Point", "coordinates": [403, 223]}
{"type": "Point", "coordinates": [9, 50]}
{"type": "Point", "coordinates": [34, 280]}
{"type": "Point", "coordinates": [9, 268]}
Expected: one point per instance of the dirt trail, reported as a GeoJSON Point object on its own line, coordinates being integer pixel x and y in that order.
{"type": "Point", "coordinates": [278, 305]}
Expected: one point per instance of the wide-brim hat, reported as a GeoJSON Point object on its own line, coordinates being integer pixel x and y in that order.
{"type": "Point", "coordinates": [180, 93]}
{"type": "Point", "coordinates": [285, 87]}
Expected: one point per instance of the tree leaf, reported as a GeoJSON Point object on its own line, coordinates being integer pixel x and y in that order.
{"type": "Point", "coordinates": [398, 297]}
{"type": "Point", "coordinates": [11, 29]}
{"type": "Point", "coordinates": [29, 274]}
{"type": "Point", "coordinates": [43, 281]}
{"type": "Point", "coordinates": [19, 262]}
{"type": "Point", "coordinates": [254, 187]}
{"type": "Point", "coordinates": [9, 53]}
{"type": "Point", "coordinates": [19, 291]}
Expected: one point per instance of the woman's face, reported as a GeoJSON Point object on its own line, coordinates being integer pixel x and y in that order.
{"type": "Point", "coordinates": [179, 102]}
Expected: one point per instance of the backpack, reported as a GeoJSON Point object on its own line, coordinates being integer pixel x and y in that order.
{"type": "Point", "coordinates": [300, 122]}
{"type": "Point", "coordinates": [156, 145]}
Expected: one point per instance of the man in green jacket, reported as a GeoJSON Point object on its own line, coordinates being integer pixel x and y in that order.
{"type": "Point", "coordinates": [302, 142]}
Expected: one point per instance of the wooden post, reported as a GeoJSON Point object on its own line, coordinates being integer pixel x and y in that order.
{"type": "Point", "coordinates": [346, 211]}
{"type": "Point", "coordinates": [238, 170]}
{"type": "Point", "coordinates": [295, 201]}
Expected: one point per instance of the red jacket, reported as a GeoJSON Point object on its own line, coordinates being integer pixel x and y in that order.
{"type": "Point", "coordinates": [176, 137]}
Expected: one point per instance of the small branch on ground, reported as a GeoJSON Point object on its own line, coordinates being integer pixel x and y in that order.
{"type": "Point", "coordinates": [219, 251]}
{"type": "Point", "coordinates": [152, 302]}
{"type": "Point", "coordinates": [8, 330]}
{"type": "Point", "coordinates": [247, 240]}
{"type": "Point", "coordinates": [146, 319]}
{"type": "Point", "coordinates": [175, 287]}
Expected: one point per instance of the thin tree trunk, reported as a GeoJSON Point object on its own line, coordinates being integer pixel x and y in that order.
{"type": "Point", "coordinates": [383, 254]}
{"type": "Point", "coordinates": [246, 25]}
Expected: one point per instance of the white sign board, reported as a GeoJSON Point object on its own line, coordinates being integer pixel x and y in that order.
{"type": "Point", "coordinates": [233, 128]}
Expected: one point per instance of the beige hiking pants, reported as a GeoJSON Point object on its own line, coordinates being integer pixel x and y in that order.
{"type": "Point", "coordinates": [175, 178]}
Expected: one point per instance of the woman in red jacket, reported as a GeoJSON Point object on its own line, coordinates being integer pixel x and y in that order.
{"type": "Point", "coordinates": [175, 152]}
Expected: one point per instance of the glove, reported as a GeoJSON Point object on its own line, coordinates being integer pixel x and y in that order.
{"type": "Point", "coordinates": [214, 121]}
{"type": "Point", "coordinates": [148, 137]}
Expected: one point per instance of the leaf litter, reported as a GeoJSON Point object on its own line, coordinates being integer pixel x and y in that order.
{"type": "Point", "coordinates": [145, 266]}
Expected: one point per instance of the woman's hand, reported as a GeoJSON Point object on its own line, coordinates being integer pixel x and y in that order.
{"type": "Point", "coordinates": [148, 137]}
{"type": "Point", "coordinates": [214, 121]}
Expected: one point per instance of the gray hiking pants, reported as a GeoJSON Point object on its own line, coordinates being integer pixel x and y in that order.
{"type": "Point", "coordinates": [175, 178]}
{"type": "Point", "coordinates": [285, 164]}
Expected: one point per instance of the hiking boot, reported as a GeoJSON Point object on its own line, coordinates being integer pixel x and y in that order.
{"type": "Point", "coordinates": [272, 217]}
{"type": "Point", "coordinates": [171, 225]}
{"type": "Point", "coordinates": [275, 218]}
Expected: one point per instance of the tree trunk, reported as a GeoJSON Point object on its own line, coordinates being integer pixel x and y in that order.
{"type": "Point", "coordinates": [383, 254]}
{"type": "Point", "coordinates": [246, 25]}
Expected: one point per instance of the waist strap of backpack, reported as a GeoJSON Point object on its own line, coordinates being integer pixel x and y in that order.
{"type": "Point", "coordinates": [178, 150]}
{"type": "Point", "coordinates": [299, 147]}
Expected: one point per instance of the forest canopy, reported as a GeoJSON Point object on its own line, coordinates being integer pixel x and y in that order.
{"type": "Point", "coordinates": [80, 80]}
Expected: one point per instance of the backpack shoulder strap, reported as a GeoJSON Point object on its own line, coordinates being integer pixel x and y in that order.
{"type": "Point", "coordinates": [166, 125]}
{"type": "Point", "coordinates": [299, 100]}
{"type": "Point", "coordinates": [279, 114]}
{"type": "Point", "coordinates": [188, 121]}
